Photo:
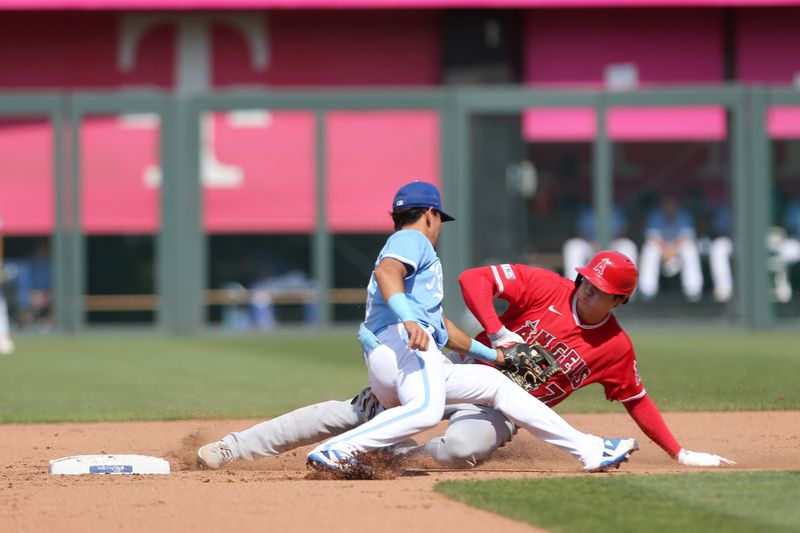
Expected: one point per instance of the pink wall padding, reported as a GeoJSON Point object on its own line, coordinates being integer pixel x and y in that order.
{"type": "Point", "coordinates": [571, 124]}
{"type": "Point", "coordinates": [278, 189]}
{"type": "Point", "coordinates": [114, 196]}
{"type": "Point", "coordinates": [700, 123]}
{"type": "Point", "coordinates": [370, 156]}
{"type": "Point", "coordinates": [783, 122]}
{"type": "Point", "coordinates": [768, 45]}
{"type": "Point", "coordinates": [26, 181]}
{"type": "Point", "coordinates": [66, 51]}
{"type": "Point", "coordinates": [669, 46]}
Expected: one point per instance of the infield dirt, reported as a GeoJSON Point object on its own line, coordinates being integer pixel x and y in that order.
{"type": "Point", "coordinates": [276, 494]}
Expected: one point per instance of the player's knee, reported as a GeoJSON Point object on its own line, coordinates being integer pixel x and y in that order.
{"type": "Point", "coordinates": [502, 387]}
{"type": "Point", "coordinates": [469, 449]}
{"type": "Point", "coordinates": [424, 415]}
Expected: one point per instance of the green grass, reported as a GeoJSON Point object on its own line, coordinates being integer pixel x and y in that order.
{"type": "Point", "coordinates": [148, 377]}
{"type": "Point", "coordinates": [128, 377]}
{"type": "Point", "coordinates": [714, 370]}
{"type": "Point", "coordinates": [698, 502]}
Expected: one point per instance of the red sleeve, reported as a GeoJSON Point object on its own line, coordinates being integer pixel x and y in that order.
{"type": "Point", "coordinates": [647, 416]}
{"type": "Point", "coordinates": [480, 286]}
{"type": "Point", "coordinates": [621, 380]}
{"type": "Point", "coordinates": [478, 290]}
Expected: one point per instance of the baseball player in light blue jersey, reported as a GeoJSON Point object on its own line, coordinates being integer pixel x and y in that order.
{"type": "Point", "coordinates": [404, 312]}
{"type": "Point", "coordinates": [402, 336]}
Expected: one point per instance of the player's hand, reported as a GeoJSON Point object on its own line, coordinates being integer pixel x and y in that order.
{"type": "Point", "coordinates": [504, 337]}
{"type": "Point", "coordinates": [685, 457]}
{"type": "Point", "coordinates": [418, 338]}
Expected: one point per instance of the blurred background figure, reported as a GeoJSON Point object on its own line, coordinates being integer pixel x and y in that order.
{"type": "Point", "coordinates": [670, 248]}
{"type": "Point", "coordinates": [785, 245]}
{"type": "Point", "coordinates": [6, 345]}
{"type": "Point", "coordinates": [293, 284]}
{"type": "Point", "coordinates": [578, 250]}
{"type": "Point", "coordinates": [719, 254]}
{"type": "Point", "coordinates": [235, 312]}
{"type": "Point", "coordinates": [34, 286]}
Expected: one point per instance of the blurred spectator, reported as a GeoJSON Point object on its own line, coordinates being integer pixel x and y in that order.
{"type": "Point", "coordinates": [670, 248]}
{"type": "Point", "coordinates": [265, 292]}
{"type": "Point", "coordinates": [235, 313]}
{"type": "Point", "coordinates": [578, 250]}
{"type": "Point", "coordinates": [786, 245]}
{"type": "Point", "coordinates": [719, 254]}
{"type": "Point", "coordinates": [35, 288]}
{"type": "Point", "coordinates": [6, 344]}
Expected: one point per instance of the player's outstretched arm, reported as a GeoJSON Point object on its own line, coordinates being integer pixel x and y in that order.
{"type": "Point", "coordinates": [459, 341]}
{"type": "Point", "coordinates": [648, 417]}
{"type": "Point", "coordinates": [457, 338]}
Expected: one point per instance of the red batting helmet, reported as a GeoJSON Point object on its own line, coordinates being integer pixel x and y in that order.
{"type": "Point", "coordinates": [611, 272]}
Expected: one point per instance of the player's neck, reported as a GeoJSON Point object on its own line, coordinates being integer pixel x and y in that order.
{"type": "Point", "coordinates": [423, 227]}
{"type": "Point", "coordinates": [591, 319]}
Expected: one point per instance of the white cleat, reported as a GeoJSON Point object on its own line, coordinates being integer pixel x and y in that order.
{"type": "Point", "coordinates": [341, 462]}
{"type": "Point", "coordinates": [215, 455]}
{"type": "Point", "coordinates": [615, 452]}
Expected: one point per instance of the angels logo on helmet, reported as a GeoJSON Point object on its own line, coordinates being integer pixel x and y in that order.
{"type": "Point", "coordinates": [600, 268]}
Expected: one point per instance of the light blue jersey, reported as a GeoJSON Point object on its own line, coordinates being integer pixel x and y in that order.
{"type": "Point", "coordinates": [424, 287]}
{"type": "Point", "coordinates": [791, 219]}
{"type": "Point", "coordinates": [669, 229]}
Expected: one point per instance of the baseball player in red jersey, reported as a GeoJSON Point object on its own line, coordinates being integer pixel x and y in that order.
{"type": "Point", "coordinates": [574, 320]}
{"type": "Point", "coordinates": [571, 319]}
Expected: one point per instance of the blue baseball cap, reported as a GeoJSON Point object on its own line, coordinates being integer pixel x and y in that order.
{"type": "Point", "coordinates": [419, 194]}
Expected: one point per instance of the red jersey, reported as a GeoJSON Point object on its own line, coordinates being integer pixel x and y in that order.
{"type": "Point", "coordinates": [542, 309]}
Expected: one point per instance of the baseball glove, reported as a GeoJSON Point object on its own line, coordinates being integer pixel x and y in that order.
{"type": "Point", "coordinates": [528, 365]}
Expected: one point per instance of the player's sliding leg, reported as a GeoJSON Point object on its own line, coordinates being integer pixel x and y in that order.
{"type": "Point", "coordinates": [297, 428]}
{"type": "Point", "coordinates": [473, 433]}
{"type": "Point", "coordinates": [484, 385]}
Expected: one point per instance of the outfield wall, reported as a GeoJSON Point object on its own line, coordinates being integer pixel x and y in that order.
{"type": "Point", "coordinates": [299, 187]}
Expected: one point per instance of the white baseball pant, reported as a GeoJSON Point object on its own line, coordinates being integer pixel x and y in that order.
{"type": "Point", "coordinates": [473, 433]}
{"type": "Point", "coordinates": [413, 380]}
{"type": "Point", "coordinates": [719, 260]}
{"type": "Point", "coordinates": [650, 269]}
